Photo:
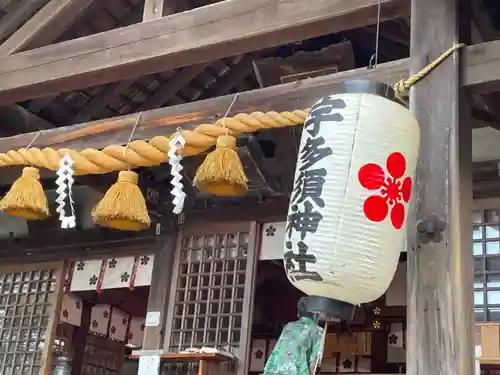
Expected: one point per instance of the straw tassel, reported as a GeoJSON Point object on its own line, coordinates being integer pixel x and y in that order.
{"type": "Point", "coordinates": [123, 206]}
{"type": "Point", "coordinates": [26, 197]}
{"type": "Point", "coordinates": [222, 173]}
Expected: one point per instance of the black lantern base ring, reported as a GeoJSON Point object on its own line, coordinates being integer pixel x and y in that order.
{"type": "Point", "coordinates": [329, 310]}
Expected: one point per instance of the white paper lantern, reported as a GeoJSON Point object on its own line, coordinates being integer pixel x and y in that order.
{"type": "Point", "coordinates": [353, 182]}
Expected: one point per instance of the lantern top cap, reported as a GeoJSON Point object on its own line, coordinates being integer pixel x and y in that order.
{"type": "Point", "coordinates": [327, 309]}
{"type": "Point", "coordinates": [364, 86]}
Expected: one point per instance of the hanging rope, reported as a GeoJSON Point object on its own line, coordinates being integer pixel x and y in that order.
{"type": "Point", "coordinates": [152, 152]}
{"type": "Point", "coordinates": [155, 151]}
{"type": "Point", "coordinates": [404, 85]}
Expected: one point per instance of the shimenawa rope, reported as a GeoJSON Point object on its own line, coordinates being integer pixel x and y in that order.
{"type": "Point", "coordinates": [153, 152]}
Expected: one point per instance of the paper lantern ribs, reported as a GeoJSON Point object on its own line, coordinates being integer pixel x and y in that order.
{"type": "Point", "coordinates": [353, 183]}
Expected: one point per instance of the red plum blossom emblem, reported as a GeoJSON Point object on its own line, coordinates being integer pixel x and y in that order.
{"type": "Point", "coordinates": [393, 192]}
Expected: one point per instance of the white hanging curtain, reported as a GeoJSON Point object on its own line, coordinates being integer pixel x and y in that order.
{"type": "Point", "coordinates": [121, 272]}
{"type": "Point", "coordinates": [136, 331]}
{"type": "Point", "coordinates": [71, 310]}
{"type": "Point", "coordinates": [99, 319]}
{"type": "Point", "coordinates": [118, 326]}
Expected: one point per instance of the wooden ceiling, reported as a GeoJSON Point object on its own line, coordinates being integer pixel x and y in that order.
{"type": "Point", "coordinates": [192, 83]}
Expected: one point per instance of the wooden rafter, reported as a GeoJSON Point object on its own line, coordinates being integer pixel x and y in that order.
{"type": "Point", "coordinates": [101, 100]}
{"type": "Point", "coordinates": [200, 35]}
{"type": "Point", "coordinates": [45, 26]}
{"type": "Point", "coordinates": [15, 119]}
{"type": "Point", "coordinates": [177, 82]}
{"type": "Point", "coordinates": [241, 70]}
{"type": "Point", "coordinates": [18, 15]}
{"type": "Point", "coordinates": [109, 92]}
{"type": "Point", "coordinates": [395, 31]}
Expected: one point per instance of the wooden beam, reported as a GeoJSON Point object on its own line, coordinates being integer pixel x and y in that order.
{"type": "Point", "coordinates": [480, 62]}
{"type": "Point", "coordinates": [440, 274]}
{"type": "Point", "coordinates": [201, 35]}
{"type": "Point", "coordinates": [96, 243]}
{"type": "Point", "coordinates": [17, 16]}
{"type": "Point", "coordinates": [46, 26]}
{"type": "Point", "coordinates": [16, 119]}
{"type": "Point", "coordinates": [480, 73]}
{"type": "Point", "coordinates": [303, 94]}
{"type": "Point", "coordinates": [286, 97]}
{"type": "Point", "coordinates": [243, 209]}
{"type": "Point", "coordinates": [486, 189]}
{"type": "Point", "coordinates": [485, 119]}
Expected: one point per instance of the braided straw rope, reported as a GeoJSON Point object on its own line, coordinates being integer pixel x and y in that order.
{"type": "Point", "coordinates": [404, 85]}
{"type": "Point", "coordinates": [152, 152]}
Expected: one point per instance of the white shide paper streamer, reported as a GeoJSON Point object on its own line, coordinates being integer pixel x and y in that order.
{"type": "Point", "coordinates": [64, 191]}
{"type": "Point", "coordinates": [174, 159]}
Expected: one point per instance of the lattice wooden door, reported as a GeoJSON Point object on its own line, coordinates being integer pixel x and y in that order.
{"type": "Point", "coordinates": [27, 306]}
{"type": "Point", "coordinates": [212, 288]}
{"type": "Point", "coordinates": [102, 356]}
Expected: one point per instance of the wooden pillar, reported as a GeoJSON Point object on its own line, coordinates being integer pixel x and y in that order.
{"type": "Point", "coordinates": [54, 310]}
{"type": "Point", "coordinates": [159, 291]}
{"type": "Point", "coordinates": [440, 319]}
{"type": "Point", "coordinates": [80, 339]}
